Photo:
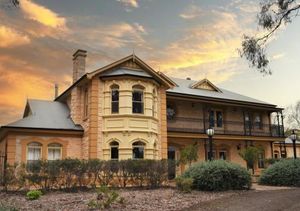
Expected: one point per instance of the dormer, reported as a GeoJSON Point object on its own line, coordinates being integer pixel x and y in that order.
{"type": "Point", "coordinates": [205, 84]}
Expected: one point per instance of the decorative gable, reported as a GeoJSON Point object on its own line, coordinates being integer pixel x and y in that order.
{"type": "Point", "coordinates": [131, 64]}
{"type": "Point", "coordinates": [205, 84]}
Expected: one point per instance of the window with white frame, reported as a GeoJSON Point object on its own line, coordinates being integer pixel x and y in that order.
{"type": "Point", "coordinates": [114, 99]}
{"type": "Point", "coordinates": [138, 149]}
{"type": "Point", "coordinates": [54, 151]}
{"type": "Point", "coordinates": [34, 152]}
{"type": "Point", "coordinates": [138, 100]}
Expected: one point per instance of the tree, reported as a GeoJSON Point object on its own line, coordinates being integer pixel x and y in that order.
{"type": "Point", "coordinates": [250, 155]}
{"type": "Point", "coordinates": [292, 114]}
{"type": "Point", "coordinates": [189, 154]}
{"type": "Point", "coordinates": [273, 14]}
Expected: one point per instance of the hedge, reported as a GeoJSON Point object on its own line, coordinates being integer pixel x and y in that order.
{"type": "Point", "coordinates": [74, 173]}
{"type": "Point", "coordinates": [218, 175]}
{"type": "Point", "coordinates": [285, 172]}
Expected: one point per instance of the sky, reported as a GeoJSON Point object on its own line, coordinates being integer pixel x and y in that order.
{"type": "Point", "coordinates": [182, 38]}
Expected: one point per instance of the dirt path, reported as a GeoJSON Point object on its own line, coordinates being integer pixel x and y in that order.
{"type": "Point", "coordinates": [255, 200]}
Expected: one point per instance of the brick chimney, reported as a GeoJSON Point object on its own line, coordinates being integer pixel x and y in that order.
{"type": "Point", "coordinates": [78, 64]}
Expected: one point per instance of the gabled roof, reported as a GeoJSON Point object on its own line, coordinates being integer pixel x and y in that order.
{"type": "Point", "coordinates": [109, 70]}
{"type": "Point", "coordinates": [156, 75]}
{"type": "Point", "coordinates": [185, 87]}
{"type": "Point", "coordinates": [41, 114]}
{"type": "Point", "coordinates": [206, 85]}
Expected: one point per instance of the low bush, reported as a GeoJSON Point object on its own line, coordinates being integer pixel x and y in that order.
{"type": "Point", "coordinates": [105, 198]}
{"type": "Point", "coordinates": [184, 184]}
{"type": "Point", "coordinates": [34, 194]}
{"type": "Point", "coordinates": [271, 161]}
{"type": "Point", "coordinates": [4, 207]}
{"type": "Point", "coordinates": [71, 174]}
{"type": "Point", "coordinates": [285, 172]}
{"type": "Point", "coordinates": [218, 175]}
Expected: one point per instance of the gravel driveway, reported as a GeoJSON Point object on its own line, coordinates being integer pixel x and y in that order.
{"type": "Point", "coordinates": [288, 199]}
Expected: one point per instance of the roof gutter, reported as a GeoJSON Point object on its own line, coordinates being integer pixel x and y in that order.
{"type": "Point", "coordinates": [5, 129]}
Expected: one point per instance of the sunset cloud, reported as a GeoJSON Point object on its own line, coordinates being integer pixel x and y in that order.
{"type": "Point", "coordinates": [204, 50]}
{"type": "Point", "coordinates": [42, 14]}
{"type": "Point", "coordinates": [11, 38]}
{"type": "Point", "coordinates": [130, 3]}
{"type": "Point", "coordinates": [191, 12]}
{"type": "Point", "coordinates": [113, 36]}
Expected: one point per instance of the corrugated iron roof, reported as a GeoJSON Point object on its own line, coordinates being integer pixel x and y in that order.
{"type": "Point", "coordinates": [47, 115]}
{"type": "Point", "coordinates": [185, 87]}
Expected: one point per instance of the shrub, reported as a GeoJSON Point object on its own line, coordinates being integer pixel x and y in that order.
{"type": "Point", "coordinates": [184, 184]}
{"type": "Point", "coordinates": [250, 155]}
{"type": "Point", "coordinates": [4, 207]}
{"type": "Point", "coordinates": [218, 175]}
{"type": "Point", "coordinates": [270, 161]}
{"type": "Point", "coordinates": [285, 172]}
{"type": "Point", "coordinates": [69, 174]}
{"type": "Point", "coordinates": [34, 194]}
{"type": "Point", "coordinates": [189, 154]}
{"type": "Point", "coordinates": [105, 198]}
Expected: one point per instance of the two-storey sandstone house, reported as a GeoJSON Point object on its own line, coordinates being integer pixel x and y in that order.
{"type": "Point", "coordinates": [127, 110]}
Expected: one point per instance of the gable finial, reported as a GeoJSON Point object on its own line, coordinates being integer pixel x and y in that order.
{"type": "Point", "coordinates": [133, 55]}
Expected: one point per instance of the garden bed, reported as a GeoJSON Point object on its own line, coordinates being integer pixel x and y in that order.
{"type": "Point", "coordinates": [135, 199]}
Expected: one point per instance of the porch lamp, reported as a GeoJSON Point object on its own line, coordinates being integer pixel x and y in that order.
{"type": "Point", "coordinates": [210, 132]}
{"type": "Point", "coordinates": [294, 138]}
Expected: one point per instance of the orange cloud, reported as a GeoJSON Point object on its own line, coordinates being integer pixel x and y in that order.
{"type": "Point", "coordinates": [204, 50]}
{"type": "Point", "coordinates": [11, 38]}
{"type": "Point", "coordinates": [42, 14]}
{"type": "Point", "coordinates": [20, 81]}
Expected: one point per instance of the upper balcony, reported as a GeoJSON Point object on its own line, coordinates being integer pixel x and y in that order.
{"type": "Point", "coordinates": [200, 125]}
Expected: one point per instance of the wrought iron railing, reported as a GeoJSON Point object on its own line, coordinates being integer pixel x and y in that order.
{"type": "Point", "coordinates": [199, 125]}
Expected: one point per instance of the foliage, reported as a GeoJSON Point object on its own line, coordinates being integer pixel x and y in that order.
{"type": "Point", "coordinates": [189, 154]}
{"type": "Point", "coordinates": [250, 155]}
{"type": "Point", "coordinates": [34, 194]}
{"type": "Point", "coordinates": [105, 198]}
{"type": "Point", "coordinates": [218, 175]}
{"type": "Point", "coordinates": [71, 174]}
{"type": "Point", "coordinates": [283, 173]}
{"type": "Point", "coordinates": [273, 14]}
{"type": "Point", "coordinates": [4, 207]}
{"type": "Point", "coordinates": [271, 161]}
{"type": "Point", "coordinates": [292, 114]}
{"type": "Point", "coordinates": [184, 184]}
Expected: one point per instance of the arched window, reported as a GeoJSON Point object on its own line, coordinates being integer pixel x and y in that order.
{"type": "Point", "coordinates": [138, 99]}
{"type": "Point", "coordinates": [54, 152]}
{"type": "Point", "coordinates": [34, 152]}
{"type": "Point", "coordinates": [114, 99]}
{"type": "Point", "coordinates": [114, 150]}
{"type": "Point", "coordinates": [138, 150]}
